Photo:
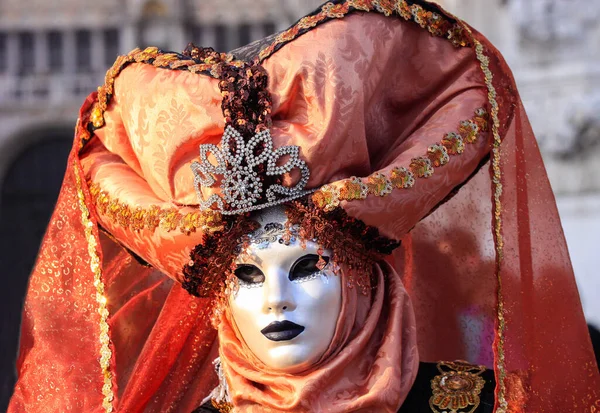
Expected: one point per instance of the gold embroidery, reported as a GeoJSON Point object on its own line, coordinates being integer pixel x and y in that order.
{"type": "Point", "coordinates": [105, 351]}
{"type": "Point", "coordinates": [435, 23]}
{"type": "Point", "coordinates": [379, 185]}
{"type": "Point", "coordinates": [421, 167]}
{"type": "Point", "coordinates": [329, 196]}
{"type": "Point", "coordinates": [457, 388]}
{"type": "Point", "coordinates": [402, 178]}
{"type": "Point", "coordinates": [335, 11]}
{"type": "Point", "coordinates": [167, 219]}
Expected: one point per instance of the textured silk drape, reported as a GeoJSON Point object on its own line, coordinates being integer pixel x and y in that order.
{"type": "Point", "coordinates": [108, 328]}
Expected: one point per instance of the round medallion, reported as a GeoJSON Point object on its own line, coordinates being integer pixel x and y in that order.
{"type": "Point", "coordinates": [458, 383]}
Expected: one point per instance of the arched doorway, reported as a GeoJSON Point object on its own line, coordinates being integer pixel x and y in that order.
{"type": "Point", "coordinates": [28, 193]}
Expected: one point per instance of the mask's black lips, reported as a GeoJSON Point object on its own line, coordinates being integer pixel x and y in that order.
{"type": "Point", "coordinates": [282, 330]}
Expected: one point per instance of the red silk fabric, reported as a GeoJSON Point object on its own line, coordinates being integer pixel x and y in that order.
{"type": "Point", "coordinates": [361, 94]}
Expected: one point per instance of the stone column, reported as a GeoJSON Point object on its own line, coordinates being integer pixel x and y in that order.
{"type": "Point", "coordinates": [257, 31]}
{"type": "Point", "coordinates": [69, 50]}
{"type": "Point", "coordinates": [128, 38]}
{"type": "Point", "coordinates": [97, 53]}
{"type": "Point", "coordinates": [208, 35]}
{"type": "Point", "coordinates": [41, 60]}
{"type": "Point", "coordinates": [12, 53]}
{"type": "Point", "coordinates": [231, 37]}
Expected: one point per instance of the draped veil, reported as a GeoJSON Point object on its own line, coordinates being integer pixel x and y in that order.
{"type": "Point", "coordinates": [366, 89]}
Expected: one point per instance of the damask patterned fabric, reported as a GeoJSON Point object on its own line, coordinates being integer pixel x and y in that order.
{"type": "Point", "coordinates": [388, 92]}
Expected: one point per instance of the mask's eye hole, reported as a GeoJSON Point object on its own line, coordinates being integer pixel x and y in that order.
{"type": "Point", "coordinates": [249, 275]}
{"type": "Point", "coordinates": [306, 266]}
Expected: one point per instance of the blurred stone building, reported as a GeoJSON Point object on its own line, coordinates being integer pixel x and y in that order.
{"type": "Point", "coordinates": [52, 55]}
{"type": "Point", "coordinates": [553, 49]}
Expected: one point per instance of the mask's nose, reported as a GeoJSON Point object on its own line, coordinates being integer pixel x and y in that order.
{"type": "Point", "coordinates": [278, 294]}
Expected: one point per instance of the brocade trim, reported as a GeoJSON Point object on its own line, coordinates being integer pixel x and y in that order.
{"type": "Point", "coordinates": [434, 22]}
{"type": "Point", "coordinates": [105, 351]}
{"type": "Point", "coordinates": [328, 197]}
{"type": "Point", "coordinates": [167, 219]}
{"type": "Point", "coordinates": [457, 388]}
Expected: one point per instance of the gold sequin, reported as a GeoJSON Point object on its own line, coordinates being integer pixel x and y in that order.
{"type": "Point", "coordinates": [167, 219]}
{"type": "Point", "coordinates": [438, 155]}
{"type": "Point", "coordinates": [354, 188]}
{"type": "Point", "coordinates": [104, 338]}
{"type": "Point", "coordinates": [453, 143]}
{"type": "Point", "coordinates": [402, 178]}
{"type": "Point", "coordinates": [379, 185]}
{"type": "Point", "coordinates": [421, 167]}
{"type": "Point", "coordinates": [222, 407]}
{"type": "Point", "coordinates": [326, 198]}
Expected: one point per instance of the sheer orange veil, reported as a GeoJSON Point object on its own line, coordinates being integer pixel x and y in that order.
{"type": "Point", "coordinates": [408, 119]}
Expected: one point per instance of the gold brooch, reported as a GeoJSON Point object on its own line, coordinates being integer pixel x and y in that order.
{"type": "Point", "coordinates": [457, 388]}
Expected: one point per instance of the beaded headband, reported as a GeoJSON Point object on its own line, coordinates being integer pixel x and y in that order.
{"type": "Point", "coordinates": [354, 244]}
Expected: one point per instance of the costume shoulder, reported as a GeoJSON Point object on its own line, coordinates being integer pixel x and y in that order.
{"type": "Point", "coordinates": [450, 387]}
{"type": "Point", "coordinates": [453, 387]}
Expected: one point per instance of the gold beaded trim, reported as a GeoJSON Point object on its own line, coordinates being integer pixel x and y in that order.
{"type": "Point", "coordinates": [457, 388]}
{"type": "Point", "coordinates": [497, 208]}
{"type": "Point", "coordinates": [434, 22]}
{"type": "Point", "coordinates": [105, 351]}
{"type": "Point", "coordinates": [328, 197]}
{"type": "Point", "coordinates": [167, 219]}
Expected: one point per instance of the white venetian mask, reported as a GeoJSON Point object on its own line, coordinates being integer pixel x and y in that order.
{"type": "Point", "coordinates": [286, 308]}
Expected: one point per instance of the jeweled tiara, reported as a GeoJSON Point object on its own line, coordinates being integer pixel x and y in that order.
{"type": "Point", "coordinates": [242, 168]}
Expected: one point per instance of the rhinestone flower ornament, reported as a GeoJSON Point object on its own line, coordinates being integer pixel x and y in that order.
{"type": "Point", "coordinates": [242, 167]}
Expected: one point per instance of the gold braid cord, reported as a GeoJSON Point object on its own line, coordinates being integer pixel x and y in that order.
{"type": "Point", "coordinates": [502, 404]}
{"type": "Point", "coordinates": [105, 351]}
